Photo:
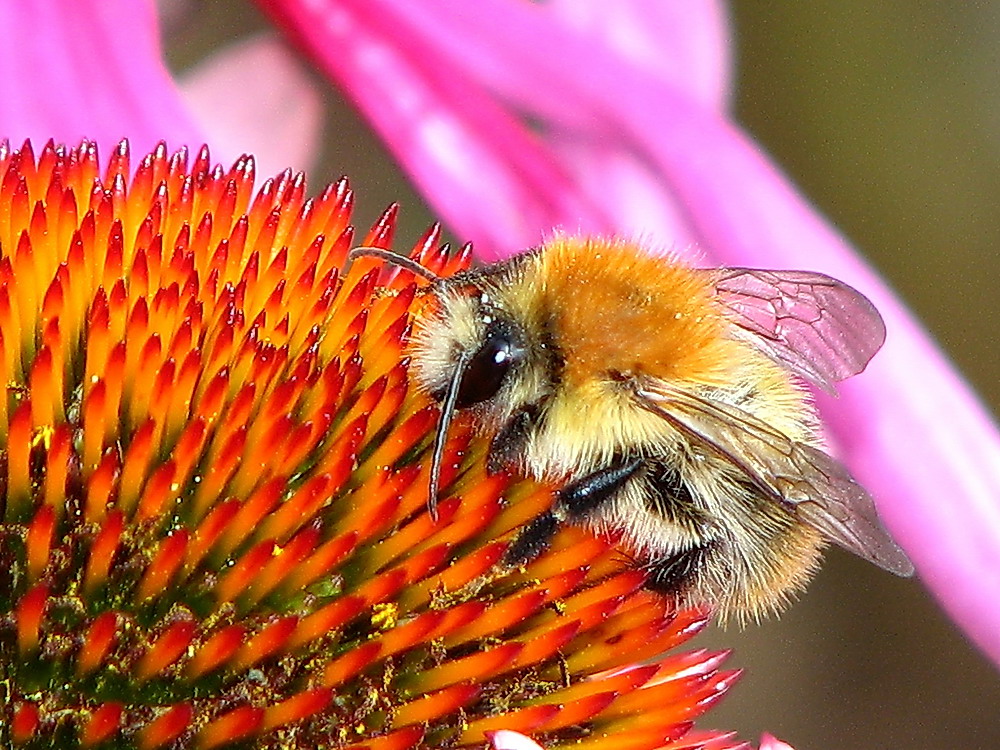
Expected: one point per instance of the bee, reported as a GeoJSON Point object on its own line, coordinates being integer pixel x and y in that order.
{"type": "Point", "coordinates": [668, 403]}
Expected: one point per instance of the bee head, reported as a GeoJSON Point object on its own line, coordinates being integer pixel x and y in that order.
{"type": "Point", "coordinates": [470, 355]}
{"type": "Point", "coordinates": [471, 347]}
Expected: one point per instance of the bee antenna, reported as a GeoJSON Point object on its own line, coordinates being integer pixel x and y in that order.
{"type": "Point", "coordinates": [397, 259]}
{"type": "Point", "coordinates": [443, 425]}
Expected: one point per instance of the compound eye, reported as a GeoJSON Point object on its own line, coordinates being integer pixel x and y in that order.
{"type": "Point", "coordinates": [487, 369]}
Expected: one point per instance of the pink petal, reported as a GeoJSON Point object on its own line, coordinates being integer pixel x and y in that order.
{"type": "Point", "coordinates": [254, 97]}
{"type": "Point", "coordinates": [487, 174]}
{"type": "Point", "coordinates": [74, 69]}
{"type": "Point", "coordinates": [685, 44]}
{"type": "Point", "coordinates": [520, 51]}
{"type": "Point", "coordinates": [505, 739]}
{"type": "Point", "coordinates": [770, 742]}
{"type": "Point", "coordinates": [585, 96]}
{"type": "Point", "coordinates": [528, 55]}
{"type": "Point", "coordinates": [642, 206]}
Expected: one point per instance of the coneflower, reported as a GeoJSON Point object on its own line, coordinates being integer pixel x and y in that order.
{"type": "Point", "coordinates": [213, 526]}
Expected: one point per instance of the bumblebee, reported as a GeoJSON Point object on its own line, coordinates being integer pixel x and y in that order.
{"type": "Point", "coordinates": [669, 404]}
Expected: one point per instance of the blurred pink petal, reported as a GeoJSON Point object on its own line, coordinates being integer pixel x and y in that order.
{"type": "Point", "coordinates": [458, 144]}
{"type": "Point", "coordinates": [770, 742]}
{"type": "Point", "coordinates": [644, 208]}
{"type": "Point", "coordinates": [685, 44]}
{"type": "Point", "coordinates": [88, 69]}
{"type": "Point", "coordinates": [254, 97]}
{"type": "Point", "coordinates": [481, 55]}
{"type": "Point", "coordinates": [508, 740]}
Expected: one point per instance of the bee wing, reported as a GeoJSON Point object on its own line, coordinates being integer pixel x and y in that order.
{"type": "Point", "coordinates": [818, 327]}
{"type": "Point", "coordinates": [814, 486]}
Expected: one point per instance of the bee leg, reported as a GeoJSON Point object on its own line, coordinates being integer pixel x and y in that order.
{"type": "Point", "coordinates": [510, 442]}
{"type": "Point", "coordinates": [573, 503]}
{"type": "Point", "coordinates": [669, 575]}
{"type": "Point", "coordinates": [533, 538]}
{"type": "Point", "coordinates": [577, 499]}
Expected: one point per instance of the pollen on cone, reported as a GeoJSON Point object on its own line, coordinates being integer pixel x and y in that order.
{"type": "Point", "coordinates": [442, 702]}
{"type": "Point", "coordinates": [102, 550]}
{"type": "Point", "coordinates": [399, 740]}
{"type": "Point", "coordinates": [346, 667]}
{"type": "Point", "coordinates": [475, 666]}
{"type": "Point", "coordinates": [296, 708]}
{"type": "Point", "coordinates": [164, 564]}
{"type": "Point", "coordinates": [215, 466]}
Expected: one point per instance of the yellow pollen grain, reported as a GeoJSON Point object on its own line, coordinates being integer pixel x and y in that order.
{"type": "Point", "coordinates": [385, 615]}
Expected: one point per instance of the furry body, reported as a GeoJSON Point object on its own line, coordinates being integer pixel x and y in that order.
{"type": "Point", "coordinates": [623, 376]}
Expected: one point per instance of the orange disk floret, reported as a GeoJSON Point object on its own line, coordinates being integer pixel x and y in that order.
{"type": "Point", "coordinates": [97, 643]}
{"type": "Point", "coordinates": [214, 518]}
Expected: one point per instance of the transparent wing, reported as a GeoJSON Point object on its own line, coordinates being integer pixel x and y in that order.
{"type": "Point", "coordinates": [805, 480]}
{"type": "Point", "coordinates": [818, 327]}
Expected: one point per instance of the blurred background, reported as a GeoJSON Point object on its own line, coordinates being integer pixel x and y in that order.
{"type": "Point", "coordinates": [887, 115]}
